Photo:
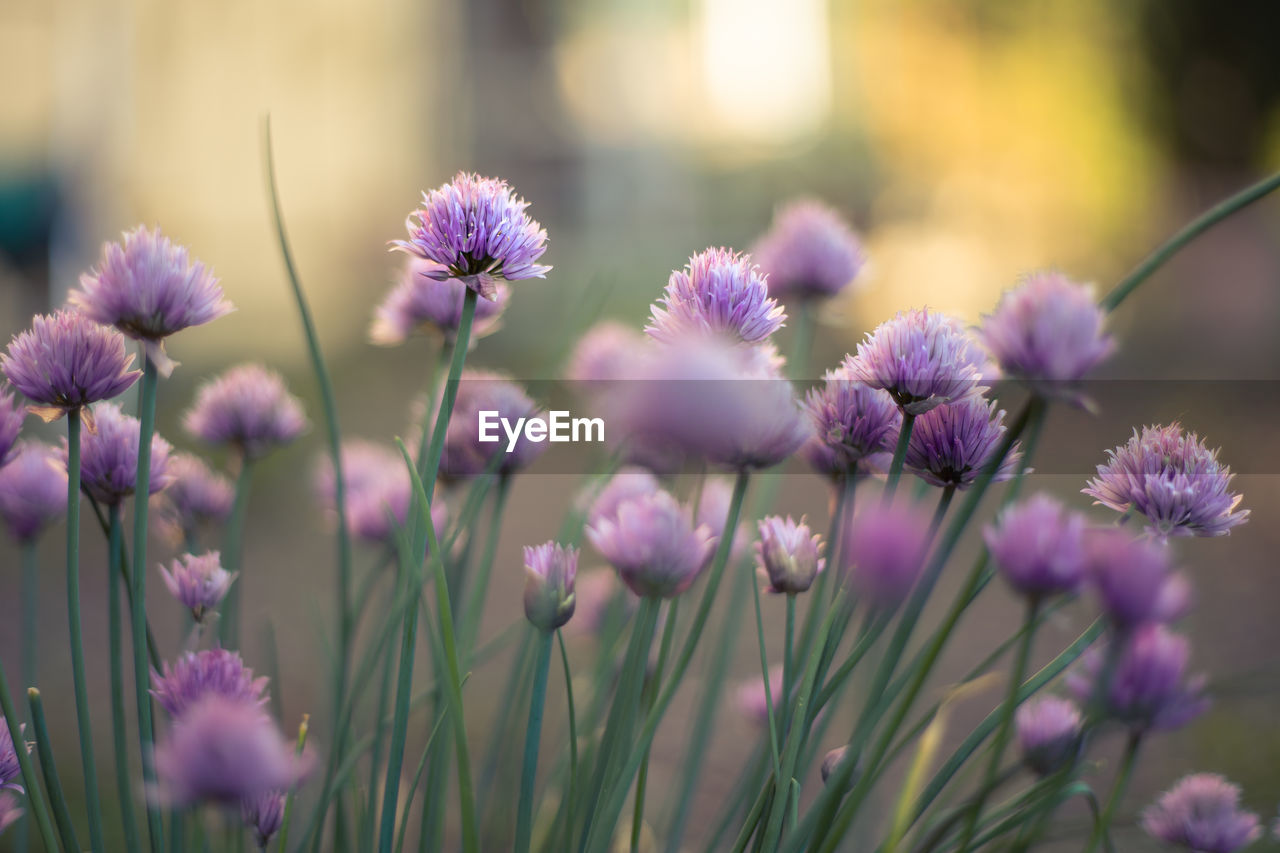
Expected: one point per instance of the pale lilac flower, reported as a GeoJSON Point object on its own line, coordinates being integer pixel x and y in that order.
{"type": "Point", "coordinates": [422, 301]}
{"type": "Point", "coordinates": [198, 583]}
{"type": "Point", "coordinates": [264, 814]}
{"type": "Point", "coordinates": [788, 555]}
{"type": "Point", "coordinates": [12, 414]}
{"type": "Point", "coordinates": [224, 751]}
{"type": "Point", "coordinates": [750, 700]}
{"type": "Point", "coordinates": [10, 811]}
{"type": "Point", "coordinates": [1039, 547]}
{"type": "Point", "coordinates": [549, 573]}
{"type": "Point", "coordinates": [1048, 731]}
{"type": "Point", "coordinates": [477, 230]}
{"type": "Point", "coordinates": [465, 455]}
{"type": "Point", "coordinates": [808, 252]}
{"type": "Point", "coordinates": [197, 675]}
{"type": "Point", "coordinates": [378, 491]}
{"type": "Point", "coordinates": [149, 289]}
{"type": "Point", "coordinates": [1172, 478]}
{"type": "Point", "coordinates": [883, 551]}
{"type": "Point", "coordinates": [249, 408]}
{"type": "Point", "coordinates": [950, 444]}
{"type": "Point", "coordinates": [855, 426]}
{"type": "Point", "coordinates": [629, 482]}
{"type": "Point", "coordinates": [1134, 579]}
{"type": "Point", "coordinates": [66, 361]}
{"type": "Point", "coordinates": [654, 546]}
{"type": "Point", "coordinates": [196, 496]}
{"type": "Point", "coordinates": [719, 292]}
{"type": "Point", "coordinates": [10, 767]}
{"type": "Point", "coordinates": [606, 353]}
{"type": "Point", "coordinates": [598, 594]}
{"type": "Point", "coordinates": [922, 358]}
{"type": "Point", "coordinates": [109, 457]}
{"type": "Point", "coordinates": [1202, 813]}
{"type": "Point", "coordinates": [33, 490]}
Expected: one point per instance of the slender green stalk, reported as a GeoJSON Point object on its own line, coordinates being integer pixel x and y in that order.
{"type": "Point", "coordinates": [417, 779]}
{"type": "Point", "coordinates": [788, 662]}
{"type": "Point", "coordinates": [35, 797]}
{"type": "Point", "coordinates": [115, 643]}
{"type": "Point", "coordinates": [532, 737]}
{"type": "Point", "coordinates": [285, 821]}
{"type": "Point", "coordinates": [768, 691]}
{"type": "Point", "coordinates": [899, 456]}
{"type": "Point", "coordinates": [573, 730]}
{"type": "Point", "coordinates": [1103, 824]}
{"type": "Point", "coordinates": [30, 616]}
{"type": "Point", "coordinates": [387, 665]}
{"type": "Point", "coordinates": [232, 552]}
{"type": "Point", "coordinates": [93, 803]}
{"type": "Point", "coordinates": [802, 341]}
{"type": "Point", "coordinates": [475, 599]}
{"type": "Point", "coordinates": [61, 814]}
{"type": "Point", "coordinates": [647, 698]}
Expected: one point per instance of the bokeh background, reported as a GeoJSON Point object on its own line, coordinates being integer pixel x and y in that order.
{"type": "Point", "coordinates": [968, 142]}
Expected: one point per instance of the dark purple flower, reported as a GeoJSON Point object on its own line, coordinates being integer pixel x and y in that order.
{"type": "Point", "coordinates": [719, 292]}
{"type": "Point", "coordinates": [465, 455]}
{"type": "Point", "coordinates": [247, 407]}
{"type": "Point", "coordinates": [195, 497]}
{"type": "Point", "coordinates": [950, 444]}
{"type": "Point", "coordinates": [109, 457]}
{"type": "Point", "coordinates": [33, 490]}
{"type": "Point", "coordinates": [421, 300]}
{"type": "Point", "coordinates": [197, 675]}
{"type": "Point", "coordinates": [10, 767]}
{"type": "Point", "coordinates": [378, 491]}
{"type": "Point", "coordinates": [549, 573]}
{"type": "Point", "coordinates": [1173, 479]}
{"type": "Point", "coordinates": [1049, 730]}
{"type": "Point", "coordinates": [10, 811]}
{"type": "Point", "coordinates": [12, 414]}
{"type": "Point", "coordinates": [629, 482]}
{"type": "Point", "coordinates": [855, 426]}
{"type": "Point", "coordinates": [883, 549]}
{"type": "Point", "coordinates": [1039, 547]}
{"type": "Point", "coordinates": [608, 352]}
{"type": "Point", "coordinates": [788, 555]}
{"type": "Point", "coordinates": [750, 699]}
{"type": "Point", "coordinates": [1202, 813]}
{"type": "Point", "coordinates": [808, 252]}
{"type": "Point", "coordinates": [477, 230]}
{"type": "Point", "coordinates": [264, 814]}
{"type": "Point", "coordinates": [653, 544]}
{"type": "Point", "coordinates": [198, 583]}
{"type": "Point", "coordinates": [66, 361]}
{"type": "Point", "coordinates": [1134, 580]}
{"type": "Point", "coordinates": [149, 289]}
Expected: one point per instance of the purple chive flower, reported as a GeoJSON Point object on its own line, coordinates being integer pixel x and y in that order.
{"type": "Point", "coordinates": [606, 353]}
{"type": "Point", "coordinates": [1039, 547]}
{"type": "Point", "coordinates": [1174, 480]}
{"type": "Point", "coordinates": [264, 814]}
{"type": "Point", "coordinates": [922, 358]}
{"type": "Point", "coordinates": [421, 301]}
{"type": "Point", "coordinates": [10, 811]}
{"type": "Point", "coordinates": [598, 594]}
{"type": "Point", "coordinates": [247, 407]}
{"type": "Point", "coordinates": [149, 289]}
{"type": "Point", "coordinates": [549, 573]}
{"type": "Point", "coordinates": [629, 482]}
{"type": "Point", "coordinates": [884, 549]}
{"type": "Point", "coordinates": [378, 491]}
{"type": "Point", "coordinates": [855, 426]}
{"type": "Point", "coordinates": [109, 457]}
{"type": "Point", "coordinates": [809, 252]}
{"type": "Point", "coordinates": [224, 751]}
{"type": "Point", "coordinates": [950, 444]}
{"type": "Point", "coordinates": [33, 490]}
{"type": "Point", "coordinates": [477, 230]}
{"type": "Point", "coordinates": [1202, 813]}
{"type": "Point", "coordinates": [750, 699]}
{"type": "Point", "coordinates": [12, 414]}
{"type": "Point", "coordinates": [788, 555]}
{"type": "Point", "coordinates": [1049, 730]}
{"type": "Point", "coordinates": [66, 361]}
{"type": "Point", "coordinates": [719, 292]}
{"type": "Point", "coordinates": [196, 497]}
{"type": "Point", "coordinates": [1048, 331]}
{"type": "Point", "coordinates": [10, 767]}
{"type": "Point", "coordinates": [654, 546]}
{"type": "Point", "coordinates": [211, 672]}
{"type": "Point", "coordinates": [1134, 580]}
{"type": "Point", "coordinates": [198, 583]}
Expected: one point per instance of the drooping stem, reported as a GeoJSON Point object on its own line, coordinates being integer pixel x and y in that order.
{"type": "Point", "coordinates": [232, 551]}
{"type": "Point", "coordinates": [1123, 775]}
{"type": "Point", "coordinates": [115, 539]}
{"type": "Point", "coordinates": [899, 456]}
{"type": "Point", "coordinates": [533, 735]}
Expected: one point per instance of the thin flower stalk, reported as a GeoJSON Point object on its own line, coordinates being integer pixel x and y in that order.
{"type": "Point", "coordinates": [233, 553]}
{"type": "Point", "coordinates": [1102, 825]}
{"type": "Point", "coordinates": [53, 784]}
{"type": "Point", "coordinates": [647, 697]}
{"type": "Point", "coordinates": [115, 628]}
{"type": "Point", "coordinates": [533, 734]}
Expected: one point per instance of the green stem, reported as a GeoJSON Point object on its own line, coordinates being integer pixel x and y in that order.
{"type": "Point", "coordinates": [648, 695]}
{"type": "Point", "coordinates": [115, 643]}
{"type": "Point", "coordinates": [30, 618]}
{"type": "Point", "coordinates": [232, 552]}
{"type": "Point", "coordinates": [61, 814]}
{"type": "Point", "coordinates": [475, 599]}
{"type": "Point", "coordinates": [35, 798]}
{"type": "Point", "coordinates": [1103, 824]}
{"type": "Point", "coordinates": [532, 737]}
{"type": "Point", "coordinates": [287, 819]}
{"type": "Point", "coordinates": [899, 456]}
{"type": "Point", "coordinates": [768, 690]}
{"type": "Point", "coordinates": [573, 730]}
{"type": "Point", "coordinates": [802, 341]}
{"type": "Point", "coordinates": [788, 663]}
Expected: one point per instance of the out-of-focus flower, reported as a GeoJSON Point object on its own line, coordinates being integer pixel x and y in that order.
{"type": "Point", "coordinates": [1039, 547]}
{"type": "Point", "coordinates": [883, 551]}
{"type": "Point", "coordinates": [421, 300]}
{"type": "Point", "coordinates": [750, 700]}
{"type": "Point", "coordinates": [855, 426]}
{"type": "Point", "coordinates": [264, 814]}
{"type": "Point", "coordinates": [109, 457]}
{"type": "Point", "coordinates": [378, 490]}
{"type": "Point", "coordinates": [477, 230]}
{"type": "Point", "coordinates": [922, 358]}
{"type": "Point", "coordinates": [719, 292]}
{"type": "Point", "coordinates": [629, 482]}
{"type": "Point", "coordinates": [196, 496]}
{"type": "Point", "coordinates": [597, 595]}
{"type": "Point", "coordinates": [1048, 731]}
{"type": "Point", "coordinates": [1134, 580]}
{"type": "Point", "coordinates": [66, 361]}
{"type": "Point", "coordinates": [808, 252]}
{"type": "Point", "coordinates": [33, 490]}
{"type": "Point", "coordinates": [199, 583]}
{"type": "Point", "coordinates": [832, 760]}
{"type": "Point", "coordinates": [10, 767]}
{"type": "Point", "coordinates": [1173, 479]}
{"type": "Point", "coordinates": [608, 352]}
{"type": "Point", "coordinates": [789, 555]}
{"type": "Point", "coordinates": [653, 544]}
{"type": "Point", "coordinates": [10, 811]}
{"type": "Point", "coordinates": [1202, 813]}
{"type": "Point", "coordinates": [951, 443]}
{"type": "Point", "coordinates": [465, 455]}
{"type": "Point", "coordinates": [12, 414]}
{"type": "Point", "coordinates": [714, 501]}
{"type": "Point", "coordinates": [549, 573]}
{"type": "Point", "coordinates": [197, 675]}
{"type": "Point", "coordinates": [249, 408]}
{"type": "Point", "coordinates": [149, 289]}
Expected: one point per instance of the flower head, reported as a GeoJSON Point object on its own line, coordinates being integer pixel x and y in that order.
{"type": "Point", "coordinates": [629, 482]}
{"type": "Point", "coordinates": [718, 292]}
{"type": "Point", "coordinates": [198, 583]}
{"type": "Point", "coordinates": [12, 414]}
{"type": "Point", "coordinates": [109, 457]}
{"type": "Point", "coordinates": [421, 300]}
{"type": "Point", "coordinates": [950, 444]}
{"type": "Point", "coordinates": [606, 353]}
{"type": "Point", "coordinates": [465, 455]}
{"type": "Point", "coordinates": [788, 555]}
{"type": "Point", "coordinates": [1202, 813]}
{"type": "Point", "coordinates": [884, 549]}
{"type": "Point", "coordinates": [1134, 580]}
{"type": "Point", "coordinates": [264, 814]}
{"type": "Point", "coordinates": [1048, 731]}
{"type": "Point", "coordinates": [195, 497]}
{"type": "Point", "coordinates": [1039, 547]}
{"type": "Point", "coordinates": [653, 544]}
{"type": "Point", "coordinates": [549, 573]}
{"type": "Point", "coordinates": [378, 490]}
{"type": "Point", "coordinates": [855, 426]}
{"type": "Point", "coordinates": [197, 675]}
{"type": "Point", "coordinates": [249, 408]}
{"type": "Point", "coordinates": [808, 252]}
{"type": "Point", "coordinates": [1172, 478]}
{"type": "Point", "coordinates": [477, 230]}
{"type": "Point", "coordinates": [33, 490]}
{"type": "Point", "coordinates": [10, 811]}
{"type": "Point", "coordinates": [750, 698]}
{"type": "Point", "coordinates": [149, 289]}
{"type": "Point", "coordinates": [66, 361]}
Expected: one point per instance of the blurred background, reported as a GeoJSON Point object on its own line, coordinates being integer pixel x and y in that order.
{"type": "Point", "coordinates": [967, 141]}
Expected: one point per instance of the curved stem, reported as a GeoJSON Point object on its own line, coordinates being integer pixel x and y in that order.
{"type": "Point", "coordinates": [1103, 824]}
{"type": "Point", "coordinates": [532, 738]}
{"type": "Point", "coordinates": [34, 796]}
{"type": "Point", "coordinates": [115, 627]}
{"type": "Point", "coordinates": [61, 814]}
